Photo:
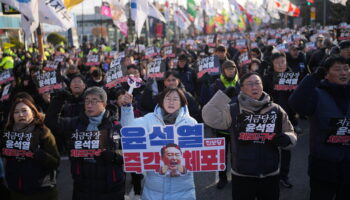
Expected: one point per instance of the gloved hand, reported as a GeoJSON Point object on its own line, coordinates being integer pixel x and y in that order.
{"type": "Point", "coordinates": [230, 92]}
{"type": "Point", "coordinates": [319, 73]}
{"type": "Point", "coordinates": [281, 140]}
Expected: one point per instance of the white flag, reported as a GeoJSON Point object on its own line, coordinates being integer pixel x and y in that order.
{"type": "Point", "coordinates": [28, 27]}
{"type": "Point", "coordinates": [29, 8]}
{"type": "Point", "coordinates": [53, 12]}
{"type": "Point", "coordinates": [139, 13]}
{"type": "Point", "coordinates": [154, 12]}
{"type": "Point", "coordinates": [343, 2]}
{"type": "Point", "coordinates": [118, 16]}
{"type": "Point", "coordinates": [181, 19]}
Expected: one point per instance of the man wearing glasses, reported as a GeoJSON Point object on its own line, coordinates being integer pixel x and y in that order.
{"type": "Point", "coordinates": [259, 129]}
{"type": "Point", "coordinates": [96, 167]}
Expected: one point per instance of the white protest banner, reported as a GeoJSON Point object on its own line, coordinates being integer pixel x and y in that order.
{"type": "Point", "coordinates": [150, 52]}
{"type": "Point", "coordinates": [143, 151]}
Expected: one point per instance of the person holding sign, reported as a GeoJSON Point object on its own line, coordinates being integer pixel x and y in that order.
{"type": "Point", "coordinates": [96, 166]}
{"type": "Point", "coordinates": [31, 154]}
{"type": "Point", "coordinates": [171, 110]}
{"type": "Point", "coordinates": [279, 82]}
{"type": "Point", "coordinates": [324, 96]}
{"type": "Point", "coordinates": [260, 128]}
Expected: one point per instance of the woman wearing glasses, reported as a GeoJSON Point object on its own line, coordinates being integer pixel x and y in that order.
{"type": "Point", "coordinates": [260, 127]}
{"type": "Point", "coordinates": [170, 110]}
{"type": "Point", "coordinates": [96, 166]}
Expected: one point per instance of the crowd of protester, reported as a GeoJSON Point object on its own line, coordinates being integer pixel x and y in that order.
{"type": "Point", "coordinates": [290, 74]}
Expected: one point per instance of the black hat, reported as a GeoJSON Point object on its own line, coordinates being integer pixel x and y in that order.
{"type": "Point", "coordinates": [344, 44]}
{"type": "Point", "coordinates": [75, 76]}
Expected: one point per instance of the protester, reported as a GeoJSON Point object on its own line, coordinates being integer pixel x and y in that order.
{"type": "Point", "coordinates": [171, 110]}
{"type": "Point", "coordinates": [30, 166]}
{"type": "Point", "coordinates": [99, 176]}
{"type": "Point", "coordinates": [255, 149]}
{"type": "Point", "coordinates": [324, 96]}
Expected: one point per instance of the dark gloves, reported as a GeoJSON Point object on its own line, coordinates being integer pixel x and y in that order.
{"type": "Point", "coordinates": [230, 92]}
{"type": "Point", "coordinates": [319, 73]}
{"type": "Point", "coordinates": [281, 140]}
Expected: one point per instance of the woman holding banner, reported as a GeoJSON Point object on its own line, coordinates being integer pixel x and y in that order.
{"type": "Point", "coordinates": [31, 154]}
{"type": "Point", "coordinates": [171, 110]}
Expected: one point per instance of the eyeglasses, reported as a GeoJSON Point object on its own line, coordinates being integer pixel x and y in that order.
{"type": "Point", "coordinates": [92, 102]}
{"type": "Point", "coordinates": [253, 84]}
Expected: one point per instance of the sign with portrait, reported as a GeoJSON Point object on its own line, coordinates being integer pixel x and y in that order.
{"type": "Point", "coordinates": [170, 150]}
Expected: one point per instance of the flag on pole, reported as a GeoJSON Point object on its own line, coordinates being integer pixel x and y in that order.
{"type": "Point", "coordinates": [139, 13]}
{"type": "Point", "coordinates": [71, 3]}
{"type": "Point", "coordinates": [118, 16]}
{"type": "Point", "coordinates": [53, 12]}
{"type": "Point", "coordinates": [27, 8]}
{"type": "Point", "coordinates": [106, 9]}
{"type": "Point", "coordinates": [181, 19]}
{"type": "Point", "coordinates": [286, 7]}
{"type": "Point", "coordinates": [343, 2]}
{"type": "Point", "coordinates": [154, 12]}
{"type": "Point", "coordinates": [191, 8]}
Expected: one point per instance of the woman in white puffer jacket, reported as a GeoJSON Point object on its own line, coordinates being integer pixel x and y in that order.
{"type": "Point", "coordinates": [171, 110]}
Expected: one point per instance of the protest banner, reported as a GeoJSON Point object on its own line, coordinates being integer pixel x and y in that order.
{"type": "Point", "coordinates": [144, 151]}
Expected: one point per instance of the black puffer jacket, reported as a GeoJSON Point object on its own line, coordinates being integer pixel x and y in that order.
{"type": "Point", "coordinates": [99, 178]}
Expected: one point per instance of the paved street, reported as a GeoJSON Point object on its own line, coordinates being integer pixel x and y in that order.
{"type": "Point", "coordinates": [205, 182]}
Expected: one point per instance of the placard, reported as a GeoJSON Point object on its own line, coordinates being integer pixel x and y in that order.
{"type": "Point", "coordinates": [17, 144]}
{"type": "Point", "coordinates": [48, 81]}
{"type": "Point", "coordinates": [170, 150]}
{"type": "Point", "coordinates": [85, 144]}
{"type": "Point", "coordinates": [207, 64]}
{"type": "Point", "coordinates": [5, 94]}
{"type": "Point", "coordinates": [339, 133]}
{"type": "Point", "coordinates": [344, 34]}
{"type": "Point", "coordinates": [92, 60]}
{"type": "Point", "coordinates": [51, 65]}
{"type": "Point", "coordinates": [114, 75]}
{"type": "Point", "coordinates": [258, 128]}
{"type": "Point", "coordinates": [6, 76]}
{"type": "Point", "coordinates": [150, 52]}
{"type": "Point", "coordinates": [286, 81]}
{"type": "Point", "coordinates": [154, 69]}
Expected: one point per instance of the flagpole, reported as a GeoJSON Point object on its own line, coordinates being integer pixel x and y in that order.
{"type": "Point", "coordinates": [40, 41]}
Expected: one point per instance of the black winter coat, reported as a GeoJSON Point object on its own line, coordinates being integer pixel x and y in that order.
{"type": "Point", "coordinates": [99, 178]}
